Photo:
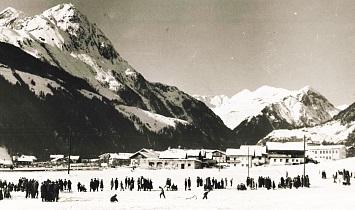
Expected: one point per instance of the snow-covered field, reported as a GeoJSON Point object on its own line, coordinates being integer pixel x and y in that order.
{"type": "Point", "coordinates": [323, 193]}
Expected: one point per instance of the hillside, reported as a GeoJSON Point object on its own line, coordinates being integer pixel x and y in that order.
{"type": "Point", "coordinates": [340, 130]}
{"type": "Point", "coordinates": [71, 71]}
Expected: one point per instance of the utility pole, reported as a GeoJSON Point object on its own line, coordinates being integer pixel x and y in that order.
{"type": "Point", "coordinates": [248, 161]}
{"type": "Point", "coordinates": [69, 150]}
{"type": "Point", "coordinates": [304, 156]}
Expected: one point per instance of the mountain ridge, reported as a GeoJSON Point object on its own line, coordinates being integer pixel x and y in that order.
{"type": "Point", "coordinates": [78, 52]}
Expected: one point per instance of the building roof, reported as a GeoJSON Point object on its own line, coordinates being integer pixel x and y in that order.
{"type": "Point", "coordinates": [26, 158]}
{"type": "Point", "coordinates": [232, 151]}
{"type": "Point", "coordinates": [243, 151]}
{"type": "Point", "coordinates": [74, 157]}
{"type": "Point", "coordinates": [290, 146]}
{"type": "Point", "coordinates": [56, 156]}
{"type": "Point", "coordinates": [173, 154]}
{"type": "Point", "coordinates": [146, 153]}
{"type": "Point", "coordinates": [255, 150]}
{"type": "Point", "coordinates": [195, 152]}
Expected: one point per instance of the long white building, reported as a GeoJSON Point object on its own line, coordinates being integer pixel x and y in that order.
{"type": "Point", "coordinates": [323, 153]}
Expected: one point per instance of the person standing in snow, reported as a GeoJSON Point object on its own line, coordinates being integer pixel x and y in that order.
{"type": "Point", "coordinates": [161, 192]}
{"type": "Point", "coordinates": [205, 194]}
{"type": "Point", "coordinates": [69, 185]}
{"type": "Point", "coordinates": [112, 183]}
{"type": "Point", "coordinates": [116, 183]}
{"type": "Point", "coordinates": [189, 183]}
{"type": "Point", "coordinates": [102, 184]}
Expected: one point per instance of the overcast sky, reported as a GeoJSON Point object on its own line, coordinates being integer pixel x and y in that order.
{"type": "Point", "coordinates": [222, 47]}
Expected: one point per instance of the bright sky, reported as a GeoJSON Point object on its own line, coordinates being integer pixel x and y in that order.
{"type": "Point", "coordinates": [222, 47]}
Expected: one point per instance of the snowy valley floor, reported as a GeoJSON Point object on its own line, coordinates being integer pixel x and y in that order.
{"type": "Point", "coordinates": [323, 193]}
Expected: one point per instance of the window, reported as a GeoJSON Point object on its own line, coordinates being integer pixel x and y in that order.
{"type": "Point", "coordinates": [280, 160]}
{"type": "Point", "coordinates": [275, 160]}
{"type": "Point", "coordinates": [336, 151]}
{"type": "Point", "coordinates": [315, 152]}
{"type": "Point", "coordinates": [235, 158]}
{"type": "Point", "coordinates": [189, 165]}
{"type": "Point", "coordinates": [286, 160]}
{"type": "Point", "coordinates": [296, 160]}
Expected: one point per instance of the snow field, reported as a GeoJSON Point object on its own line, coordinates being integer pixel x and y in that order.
{"type": "Point", "coordinates": [323, 194]}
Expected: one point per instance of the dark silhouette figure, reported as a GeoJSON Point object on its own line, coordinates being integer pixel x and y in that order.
{"type": "Point", "coordinates": [114, 198]}
{"type": "Point", "coordinates": [162, 192]}
{"type": "Point", "coordinates": [205, 194]}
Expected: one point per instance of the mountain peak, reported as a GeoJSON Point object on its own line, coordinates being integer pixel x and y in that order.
{"type": "Point", "coordinates": [10, 17]}
{"type": "Point", "coordinates": [8, 12]}
{"type": "Point", "coordinates": [66, 15]}
{"type": "Point", "coordinates": [307, 88]}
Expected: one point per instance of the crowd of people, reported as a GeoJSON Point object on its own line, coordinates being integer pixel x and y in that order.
{"type": "Point", "coordinates": [143, 183]}
{"type": "Point", "coordinates": [344, 176]}
{"type": "Point", "coordinates": [49, 190]}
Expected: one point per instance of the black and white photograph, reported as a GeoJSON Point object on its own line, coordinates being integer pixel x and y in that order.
{"type": "Point", "coordinates": [177, 104]}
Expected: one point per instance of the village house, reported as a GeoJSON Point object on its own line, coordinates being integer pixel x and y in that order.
{"type": "Point", "coordinates": [217, 155]}
{"type": "Point", "coordinates": [115, 159]}
{"type": "Point", "coordinates": [24, 159]}
{"type": "Point", "coordinates": [171, 159]}
{"type": "Point", "coordinates": [322, 153]}
{"type": "Point", "coordinates": [141, 155]}
{"type": "Point", "coordinates": [288, 153]}
{"type": "Point", "coordinates": [247, 155]}
{"type": "Point", "coordinates": [5, 163]}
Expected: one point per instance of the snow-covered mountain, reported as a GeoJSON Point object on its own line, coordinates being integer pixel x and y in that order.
{"type": "Point", "coordinates": [339, 131]}
{"type": "Point", "coordinates": [342, 107]}
{"type": "Point", "coordinates": [83, 60]}
{"type": "Point", "coordinates": [305, 107]}
{"type": "Point", "coordinates": [213, 101]}
{"type": "Point", "coordinates": [254, 114]}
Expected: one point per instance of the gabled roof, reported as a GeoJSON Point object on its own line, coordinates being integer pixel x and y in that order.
{"type": "Point", "coordinates": [290, 146]}
{"type": "Point", "coordinates": [146, 153]}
